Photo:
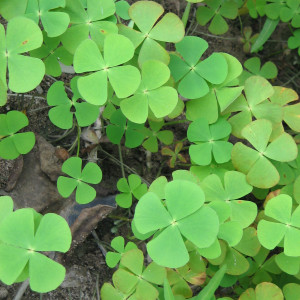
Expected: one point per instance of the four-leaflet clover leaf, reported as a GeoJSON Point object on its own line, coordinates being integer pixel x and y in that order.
{"type": "Point", "coordinates": [193, 73]}
{"type": "Point", "coordinates": [118, 244]}
{"type": "Point", "coordinates": [209, 139]}
{"type": "Point", "coordinates": [286, 225]}
{"type": "Point", "coordinates": [234, 187]}
{"type": "Point", "coordinates": [23, 235]}
{"type": "Point", "coordinates": [25, 72]}
{"type": "Point", "coordinates": [217, 10]}
{"type": "Point", "coordinates": [257, 91]}
{"type": "Point", "coordinates": [128, 188]}
{"type": "Point", "coordinates": [55, 23]}
{"type": "Point", "coordinates": [184, 215]}
{"type": "Point", "coordinates": [151, 94]}
{"type": "Point", "coordinates": [155, 134]}
{"type": "Point", "coordinates": [52, 54]}
{"type": "Point", "coordinates": [61, 114]}
{"type": "Point", "coordinates": [88, 21]}
{"type": "Point", "coordinates": [259, 170]}
{"type": "Point", "coordinates": [169, 28]}
{"type": "Point", "coordinates": [134, 133]}
{"type": "Point", "coordinates": [124, 79]}
{"type": "Point", "coordinates": [12, 144]}
{"type": "Point", "coordinates": [132, 279]}
{"type": "Point", "coordinates": [91, 173]}
{"type": "Point", "coordinates": [220, 96]}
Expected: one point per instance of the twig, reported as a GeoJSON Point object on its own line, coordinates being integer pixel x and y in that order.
{"type": "Point", "coordinates": [125, 166]}
{"type": "Point", "coordinates": [37, 109]}
{"type": "Point", "coordinates": [27, 96]}
{"type": "Point", "coordinates": [78, 139]}
{"type": "Point", "coordinates": [97, 287]}
{"type": "Point", "coordinates": [121, 160]}
{"type": "Point", "coordinates": [291, 79]}
{"type": "Point", "coordinates": [102, 249]}
{"type": "Point", "coordinates": [22, 289]}
{"type": "Point", "coordinates": [216, 36]}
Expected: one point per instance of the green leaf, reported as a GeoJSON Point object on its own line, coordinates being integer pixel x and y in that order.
{"type": "Point", "coordinates": [41, 281]}
{"type": "Point", "coordinates": [269, 27]}
{"type": "Point", "coordinates": [13, 144]}
{"type": "Point", "coordinates": [291, 291]}
{"type": "Point", "coordinates": [208, 292]}
{"type": "Point", "coordinates": [91, 173]}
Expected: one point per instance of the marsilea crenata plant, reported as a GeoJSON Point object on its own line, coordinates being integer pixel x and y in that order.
{"type": "Point", "coordinates": [215, 223]}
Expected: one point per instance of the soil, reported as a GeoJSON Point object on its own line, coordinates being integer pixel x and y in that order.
{"type": "Point", "coordinates": [86, 266]}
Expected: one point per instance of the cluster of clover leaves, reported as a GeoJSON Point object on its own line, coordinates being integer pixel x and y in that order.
{"type": "Point", "coordinates": [231, 220]}
{"type": "Point", "coordinates": [214, 13]}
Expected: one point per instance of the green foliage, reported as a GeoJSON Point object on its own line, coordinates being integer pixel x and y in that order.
{"type": "Point", "coordinates": [133, 279]}
{"type": "Point", "coordinates": [78, 180]}
{"type": "Point", "coordinates": [260, 171]}
{"type": "Point", "coordinates": [253, 65]}
{"type": "Point", "coordinates": [154, 133]}
{"type": "Point", "coordinates": [128, 188]}
{"type": "Point", "coordinates": [152, 94]}
{"type": "Point", "coordinates": [124, 79]}
{"type": "Point", "coordinates": [24, 234]}
{"type": "Point", "coordinates": [294, 41]}
{"type": "Point", "coordinates": [184, 215]}
{"type": "Point", "coordinates": [134, 133]}
{"type": "Point", "coordinates": [61, 114]}
{"type": "Point", "coordinates": [215, 11]}
{"type": "Point", "coordinates": [145, 14]}
{"type": "Point", "coordinates": [229, 222]}
{"type": "Point", "coordinates": [265, 290]}
{"type": "Point", "coordinates": [194, 74]}
{"type": "Point", "coordinates": [12, 143]}
{"type": "Point", "coordinates": [90, 21]}
{"type": "Point", "coordinates": [52, 54]}
{"type": "Point", "coordinates": [286, 227]}
{"type": "Point", "coordinates": [210, 140]}
{"type": "Point", "coordinates": [118, 244]}
{"type": "Point", "coordinates": [25, 72]}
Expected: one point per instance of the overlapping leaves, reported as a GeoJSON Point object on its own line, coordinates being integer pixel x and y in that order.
{"type": "Point", "coordinates": [90, 21]}
{"type": "Point", "coordinates": [210, 140]}
{"type": "Point", "coordinates": [25, 72]}
{"type": "Point", "coordinates": [193, 73]}
{"type": "Point", "coordinates": [124, 79]}
{"type": "Point", "coordinates": [61, 114]}
{"type": "Point", "coordinates": [285, 226]}
{"type": "Point", "coordinates": [169, 28]}
{"type": "Point", "coordinates": [260, 172]}
{"type": "Point", "coordinates": [54, 23]}
{"type": "Point", "coordinates": [184, 215]}
{"type": "Point", "coordinates": [151, 94]}
{"type": "Point", "coordinates": [12, 143]}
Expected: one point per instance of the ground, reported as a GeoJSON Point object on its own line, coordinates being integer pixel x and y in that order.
{"type": "Point", "coordinates": [86, 266]}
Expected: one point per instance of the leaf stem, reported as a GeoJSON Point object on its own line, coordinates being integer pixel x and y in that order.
{"type": "Point", "coordinates": [121, 160]}
{"type": "Point", "coordinates": [217, 37]}
{"type": "Point", "coordinates": [78, 139]}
